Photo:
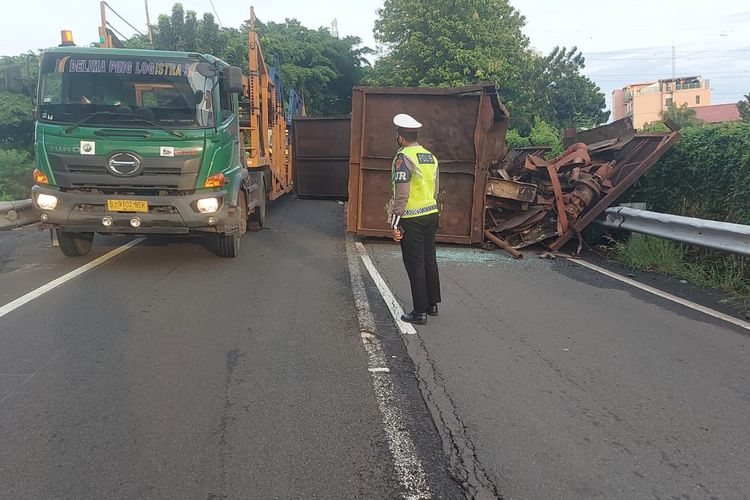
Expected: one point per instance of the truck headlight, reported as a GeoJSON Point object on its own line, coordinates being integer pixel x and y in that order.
{"type": "Point", "coordinates": [46, 201]}
{"type": "Point", "coordinates": [207, 205]}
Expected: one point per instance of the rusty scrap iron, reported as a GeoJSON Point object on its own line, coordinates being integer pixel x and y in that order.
{"type": "Point", "coordinates": [504, 245]}
{"type": "Point", "coordinates": [514, 190]}
{"type": "Point", "coordinates": [596, 167]}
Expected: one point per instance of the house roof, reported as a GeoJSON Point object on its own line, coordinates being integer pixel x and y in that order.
{"type": "Point", "coordinates": [718, 113]}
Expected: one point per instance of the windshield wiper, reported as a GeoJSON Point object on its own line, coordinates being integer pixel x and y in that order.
{"type": "Point", "coordinates": [128, 117]}
{"type": "Point", "coordinates": [170, 131]}
{"type": "Point", "coordinates": [87, 118]}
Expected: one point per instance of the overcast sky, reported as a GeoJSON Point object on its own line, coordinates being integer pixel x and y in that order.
{"type": "Point", "coordinates": [624, 42]}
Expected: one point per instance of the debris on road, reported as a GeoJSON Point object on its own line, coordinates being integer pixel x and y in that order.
{"type": "Point", "coordinates": [530, 199]}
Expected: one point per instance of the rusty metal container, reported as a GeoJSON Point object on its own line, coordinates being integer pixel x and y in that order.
{"type": "Point", "coordinates": [320, 151]}
{"type": "Point", "coordinates": [464, 127]}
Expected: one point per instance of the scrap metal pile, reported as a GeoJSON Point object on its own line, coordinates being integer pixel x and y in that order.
{"type": "Point", "coordinates": [530, 199]}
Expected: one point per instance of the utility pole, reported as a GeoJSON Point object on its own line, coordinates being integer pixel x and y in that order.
{"type": "Point", "coordinates": [104, 38]}
{"type": "Point", "coordinates": [674, 75]}
{"type": "Point", "coordinates": [148, 25]}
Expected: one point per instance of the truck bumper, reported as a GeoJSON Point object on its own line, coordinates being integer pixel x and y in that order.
{"type": "Point", "coordinates": [83, 212]}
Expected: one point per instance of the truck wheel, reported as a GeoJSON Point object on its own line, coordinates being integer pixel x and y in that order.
{"type": "Point", "coordinates": [75, 244]}
{"type": "Point", "coordinates": [228, 245]}
{"type": "Point", "coordinates": [258, 217]}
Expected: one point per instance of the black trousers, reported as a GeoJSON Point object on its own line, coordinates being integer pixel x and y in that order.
{"type": "Point", "coordinates": [418, 250]}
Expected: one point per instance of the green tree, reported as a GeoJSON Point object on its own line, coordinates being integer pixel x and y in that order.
{"type": "Point", "coordinates": [459, 42]}
{"type": "Point", "coordinates": [321, 67]}
{"type": "Point", "coordinates": [569, 98]}
{"type": "Point", "coordinates": [451, 43]}
{"type": "Point", "coordinates": [682, 115]}
{"type": "Point", "coordinates": [744, 109]}
{"type": "Point", "coordinates": [164, 38]}
{"type": "Point", "coordinates": [209, 39]}
{"type": "Point", "coordinates": [138, 42]}
{"type": "Point", "coordinates": [191, 31]}
{"type": "Point", "coordinates": [17, 110]}
{"type": "Point", "coordinates": [15, 174]}
{"type": "Point", "coordinates": [177, 25]}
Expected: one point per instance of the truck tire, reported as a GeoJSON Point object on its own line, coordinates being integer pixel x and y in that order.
{"type": "Point", "coordinates": [74, 244]}
{"type": "Point", "coordinates": [228, 245]}
{"type": "Point", "coordinates": [258, 217]}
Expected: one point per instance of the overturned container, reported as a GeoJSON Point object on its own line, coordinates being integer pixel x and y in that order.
{"type": "Point", "coordinates": [320, 149]}
{"type": "Point", "coordinates": [464, 127]}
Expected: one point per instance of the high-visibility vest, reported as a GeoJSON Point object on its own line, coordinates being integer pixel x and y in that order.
{"type": "Point", "coordinates": [422, 183]}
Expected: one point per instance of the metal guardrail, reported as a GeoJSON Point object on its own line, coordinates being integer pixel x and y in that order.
{"type": "Point", "coordinates": [15, 214]}
{"type": "Point", "coordinates": [723, 236]}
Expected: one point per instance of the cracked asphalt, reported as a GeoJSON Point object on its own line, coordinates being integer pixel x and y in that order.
{"type": "Point", "coordinates": [562, 383]}
{"type": "Point", "coordinates": [170, 373]}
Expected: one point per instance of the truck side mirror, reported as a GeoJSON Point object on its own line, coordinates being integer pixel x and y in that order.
{"type": "Point", "coordinates": [233, 77]}
{"type": "Point", "coordinates": [13, 79]}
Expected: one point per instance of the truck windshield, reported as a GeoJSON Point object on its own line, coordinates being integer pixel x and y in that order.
{"type": "Point", "coordinates": [120, 90]}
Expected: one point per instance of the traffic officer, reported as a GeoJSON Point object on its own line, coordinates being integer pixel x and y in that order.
{"type": "Point", "coordinates": [414, 217]}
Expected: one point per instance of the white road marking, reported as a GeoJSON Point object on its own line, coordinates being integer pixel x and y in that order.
{"type": "Point", "coordinates": [665, 295]}
{"type": "Point", "coordinates": [34, 294]}
{"type": "Point", "coordinates": [379, 370]}
{"type": "Point", "coordinates": [390, 300]}
{"type": "Point", "coordinates": [408, 466]}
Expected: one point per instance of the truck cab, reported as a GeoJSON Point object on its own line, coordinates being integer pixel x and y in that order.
{"type": "Point", "coordinates": [141, 142]}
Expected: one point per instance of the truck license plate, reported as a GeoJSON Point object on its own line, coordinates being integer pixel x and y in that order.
{"type": "Point", "coordinates": [127, 206]}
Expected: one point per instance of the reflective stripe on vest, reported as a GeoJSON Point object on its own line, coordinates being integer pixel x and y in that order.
{"type": "Point", "coordinates": [422, 185]}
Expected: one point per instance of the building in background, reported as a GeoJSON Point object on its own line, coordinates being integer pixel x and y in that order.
{"type": "Point", "coordinates": [717, 113]}
{"type": "Point", "coordinates": [646, 101]}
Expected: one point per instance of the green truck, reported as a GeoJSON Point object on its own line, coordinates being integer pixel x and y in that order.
{"type": "Point", "coordinates": [143, 142]}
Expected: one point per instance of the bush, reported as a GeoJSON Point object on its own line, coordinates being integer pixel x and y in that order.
{"type": "Point", "coordinates": [542, 134]}
{"type": "Point", "coordinates": [705, 175]}
{"type": "Point", "coordinates": [16, 167]}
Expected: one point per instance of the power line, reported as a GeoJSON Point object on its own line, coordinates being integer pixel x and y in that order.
{"type": "Point", "coordinates": [123, 19]}
{"type": "Point", "coordinates": [216, 13]}
{"type": "Point", "coordinates": [124, 38]}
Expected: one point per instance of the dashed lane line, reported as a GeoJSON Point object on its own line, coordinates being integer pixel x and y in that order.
{"type": "Point", "coordinates": [34, 294]}
{"type": "Point", "coordinates": [665, 295]}
{"type": "Point", "coordinates": [409, 469]}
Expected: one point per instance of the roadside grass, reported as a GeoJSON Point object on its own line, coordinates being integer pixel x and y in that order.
{"type": "Point", "coordinates": [705, 268]}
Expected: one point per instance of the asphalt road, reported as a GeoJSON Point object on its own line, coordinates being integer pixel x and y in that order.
{"type": "Point", "coordinates": [170, 373]}
{"type": "Point", "coordinates": [569, 384]}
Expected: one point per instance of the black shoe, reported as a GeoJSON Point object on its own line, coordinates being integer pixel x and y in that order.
{"type": "Point", "coordinates": [417, 319]}
{"type": "Point", "coordinates": [432, 310]}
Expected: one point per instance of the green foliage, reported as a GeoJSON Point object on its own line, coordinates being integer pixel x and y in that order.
{"type": "Point", "coordinates": [564, 95]}
{"type": "Point", "coordinates": [460, 42]}
{"type": "Point", "coordinates": [744, 109]}
{"type": "Point", "coordinates": [542, 134]}
{"type": "Point", "coordinates": [16, 167]}
{"type": "Point", "coordinates": [655, 127]}
{"type": "Point", "coordinates": [729, 273]}
{"type": "Point", "coordinates": [515, 140]}
{"type": "Point", "coordinates": [17, 110]}
{"type": "Point", "coordinates": [682, 116]}
{"type": "Point", "coordinates": [319, 66]}
{"type": "Point", "coordinates": [706, 175]}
